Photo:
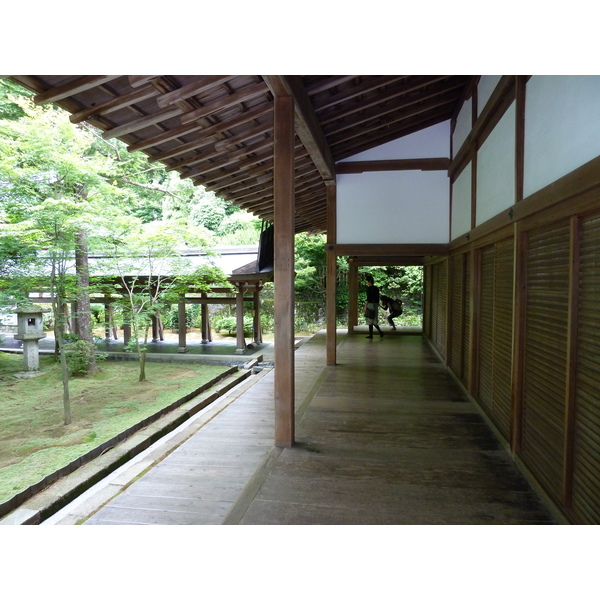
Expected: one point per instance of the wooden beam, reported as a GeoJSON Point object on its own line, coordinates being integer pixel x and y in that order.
{"type": "Point", "coordinates": [307, 125]}
{"type": "Point", "coordinates": [141, 123]}
{"type": "Point", "coordinates": [217, 128]}
{"type": "Point", "coordinates": [242, 95]}
{"type": "Point", "coordinates": [387, 261]}
{"type": "Point", "coordinates": [74, 87]}
{"type": "Point", "coordinates": [189, 90]}
{"type": "Point", "coordinates": [139, 80]}
{"type": "Point", "coordinates": [284, 374]}
{"type": "Point", "coordinates": [391, 249]}
{"type": "Point", "coordinates": [115, 104]}
{"type": "Point", "coordinates": [407, 164]}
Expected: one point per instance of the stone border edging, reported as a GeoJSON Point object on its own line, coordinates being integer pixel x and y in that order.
{"type": "Point", "coordinates": [89, 469]}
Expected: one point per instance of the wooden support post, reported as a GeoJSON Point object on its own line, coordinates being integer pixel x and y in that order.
{"type": "Point", "coordinates": [284, 222]}
{"type": "Point", "coordinates": [154, 322]}
{"type": "Point", "coordinates": [204, 320]}
{"type": "Point", "coordinates": [352, 296]}
{"type": "Point", "coordinates": [257, 327]}
{"type": "Point", "coordinates": [239, 314]}
{"type": "Point", "coordinates": [107, 316]}
{"type": "Point", "coordinates": [115, 329]}
{"type": "Point", "coordinates": [331, 276]}
{"type": "Point", "coordinates": [182, 327]}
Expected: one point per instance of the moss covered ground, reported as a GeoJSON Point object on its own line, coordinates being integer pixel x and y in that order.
{"type": "Point", "coordinates": [34, 440]}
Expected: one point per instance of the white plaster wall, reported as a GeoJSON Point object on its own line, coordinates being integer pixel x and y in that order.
{"type": "Point", "coordinates": [485, 88]}
{"type": "Point", "coordinates": [433, 142]}
{"type": "Point", "coordinates": [496, 169]}
{"type": "Point", "coordinates": [464, 123]}
{"type": "Point", "coordinates": [393, 207]}
{"type": "Point", "coordinates": [461, 203]}
{"type": "Point", "coordinates": [562, 127]}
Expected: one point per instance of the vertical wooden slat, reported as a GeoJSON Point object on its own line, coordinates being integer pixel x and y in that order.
{"type": "Point", "coordinates": [486, 330]}
{"type": "Point", "coordinates": [520, 287]}
{"type": "Point", "coordinates": [571, 384]}
{"type": "Point", "coordinates": [284, 205]}
{"type": "Point", "coordinates": [331, 276]}
{"type": "Point", "coordinates": [474, 348]}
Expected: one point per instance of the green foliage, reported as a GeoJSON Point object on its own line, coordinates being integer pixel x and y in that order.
{"type": "Point", "coordinates": [229, 324]}
{"type": "Point", "coordinates": [9, 109]}
{"type": "Point", "coordinates": [79, 355]}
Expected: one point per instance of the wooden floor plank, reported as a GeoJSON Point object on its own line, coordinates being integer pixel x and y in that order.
{"type": "Point", "coordinates": [383, 437]}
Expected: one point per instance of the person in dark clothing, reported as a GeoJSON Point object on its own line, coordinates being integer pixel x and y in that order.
{"type": "Point", "coordinates": [372, 306]}
{"type": "Point", "coordinates": [394, 307]}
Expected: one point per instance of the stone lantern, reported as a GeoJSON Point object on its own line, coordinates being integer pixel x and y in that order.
{"type": "Point", "coordinates": [30, 329]}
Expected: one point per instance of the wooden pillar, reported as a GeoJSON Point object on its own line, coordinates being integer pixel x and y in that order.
{"type": "Point", "coordinates": [161, 329]}
{"type": "Point", "coordinates": [154, 321]}
{"type": "Point", "coordinates": [107, 319]}
{"type": "Point", "coordinates": [331, 276]}
{"type": "Point", "coordinates": [352, 295]}
{"type": "Point", "coordinates": [182, 327]}
{"type": "Point", "coordinates": [239, 314]}
{"type": "Point", "coordinates": [206, 337]}
{"type": "Point", "coordinates": [257, 327]}
{"type": "Point", "coordinates": [115, 329]}
{"type": "Point", "coordinates": [284, 222]}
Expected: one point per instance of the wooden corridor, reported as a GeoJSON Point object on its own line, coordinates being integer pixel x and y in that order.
{"type": "Point", "coordinates": [384, 437]}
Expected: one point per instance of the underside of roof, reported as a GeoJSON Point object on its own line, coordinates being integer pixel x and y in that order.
{"type": "Point", "coordinates": [217, 130]}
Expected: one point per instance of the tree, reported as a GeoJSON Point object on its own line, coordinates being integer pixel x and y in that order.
{"type": "Point", "coordinates": [152, 273]}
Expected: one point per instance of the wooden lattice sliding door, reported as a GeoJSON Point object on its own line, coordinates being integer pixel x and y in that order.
{"type": "Point", "coordinates": [436, 298]}
{"type": "Point", "coordinates": [495, 333]}
{"type": "Point", "coordinates": [585, 487]}
{"type": "Point", "coordinates": [545, 355]}
{"type": "Point", "coordinates": [459, 314]}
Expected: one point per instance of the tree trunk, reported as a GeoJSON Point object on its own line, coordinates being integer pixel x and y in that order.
{"type": "Point", "coordinates": [84, 314]}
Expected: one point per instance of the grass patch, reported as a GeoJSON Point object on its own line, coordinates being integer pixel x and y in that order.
{"type": "Point", "coordinates": [35, 442]}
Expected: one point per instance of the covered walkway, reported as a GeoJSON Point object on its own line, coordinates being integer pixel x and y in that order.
{"type": "Point", "coordinates": [384, 437]}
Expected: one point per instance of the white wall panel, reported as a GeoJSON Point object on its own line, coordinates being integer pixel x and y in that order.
{"type": "Point", "coordinates": [496, 169]}
{"type": "Point", "coordinates": [464, 123]}
{"type": "Point", "coordinates": [433, 142]}
{"type": "Point", "coordinates": [485, 88]}
{"type": "Point", "coordinates": [393, 207]}
{"type": "Point", "coordinates": [562, 127]}
{"type": "Point", "coordinates": [461, 203]}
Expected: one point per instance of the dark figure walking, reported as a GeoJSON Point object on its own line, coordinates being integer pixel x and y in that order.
{"type": "Point", "coordinates": [372, 306]}
{"type": "Point", "coordinates": [394, 307]}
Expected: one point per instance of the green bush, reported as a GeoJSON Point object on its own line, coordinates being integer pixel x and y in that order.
{"type": "Point", "coordinates": [79, 355]}
{"type": "Point", "coordinates": [229, 324]}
